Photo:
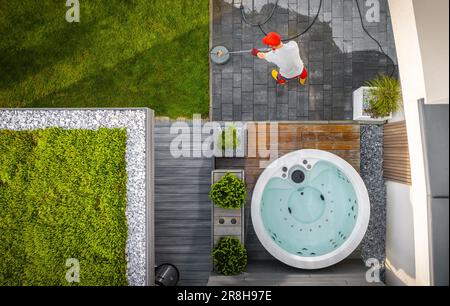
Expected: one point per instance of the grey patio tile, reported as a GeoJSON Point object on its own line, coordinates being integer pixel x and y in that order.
{"type": "Point", "coordinates": [283, 111]}
{"type": "Point", "coordinates": [237, 96]}
{"type": "Point", "coordinates": [316, 73]}
{"type": "Point", "coordinates": [338, 27]}
{"type": "Point", "coordinates": [348, 9]}
{"type": "Point", "coordinates": [260, 113]}
{"type": "Point", "coordinates": [247, 101]}
{"type": "Point", "coordinates": [316, 50]}
{"type": "Point", "coordinates": [237, 112]}
{"type": "Point", "coordinates": [337, 9]}
{"type": "Point", "coordinates": [315, 115]}
{"type": "Point", "coordinates": [337, 53]}
{"type": "Point", "coordinates": [316, 101]}
{"type": "Point", "coordinates": [260, 94]}
{"type": "Point", "coordinates": [237, 80]}
{"type": "Point", "coordinates": [273, 115]}
{"type": "Point", "coordinates": [293, 99]}
{"type": "Point", "coordinates": [247, 79]}
{"type": "Point", "coordinates": [227, 112]}
{"type": "Point", "coordinates": [247, 116]}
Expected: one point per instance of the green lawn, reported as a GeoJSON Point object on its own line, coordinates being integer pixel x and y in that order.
{"type": "Point", "coordinates": [151, 53]}
{"type": "Point", "coordinates": [62, 195]}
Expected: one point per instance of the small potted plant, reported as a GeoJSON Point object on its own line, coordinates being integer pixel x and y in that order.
{"type": "Point", "coordinates": [229, 256]}
{"type": "Point", "coordinates": [377, 100]}
{"type": "Point", "coordinates": [229, 192]}
{"type": "Point", "coordinates": [230, 141]}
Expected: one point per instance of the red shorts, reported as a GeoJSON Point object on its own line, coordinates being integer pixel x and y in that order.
{"type": "Point", "coordinates": [282, 80]}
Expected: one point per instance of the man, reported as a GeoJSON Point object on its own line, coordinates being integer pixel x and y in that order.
{"type": "Point", "coordinates": [286, 57]}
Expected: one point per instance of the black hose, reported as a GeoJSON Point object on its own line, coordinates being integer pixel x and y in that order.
{"type": "Point", "coordinates": [259, 25]}
{"type": "Point", "coordinates": [262, 23]}
{"type": "Point", "coordinates": [394, 67]}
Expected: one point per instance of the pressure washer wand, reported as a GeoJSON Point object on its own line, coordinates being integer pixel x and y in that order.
{"type": "Point", "coordinates": [248, 51]}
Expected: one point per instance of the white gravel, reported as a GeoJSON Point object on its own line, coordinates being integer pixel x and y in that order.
{"type": "Point", "coordinates": [134, 122]}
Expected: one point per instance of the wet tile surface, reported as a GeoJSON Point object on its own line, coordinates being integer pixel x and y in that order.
{"type": "Point", "coordinates": [338, 54]}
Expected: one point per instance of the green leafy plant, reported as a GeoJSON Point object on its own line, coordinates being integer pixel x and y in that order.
{"type": "Point", "coordinates": [228, 138]}
{"type": "Point", "coordinates": [385, 96]}
{"type": "Point", "coordinates": [229, 192]}
{"type": "Point", "coordinates": [229, 256]}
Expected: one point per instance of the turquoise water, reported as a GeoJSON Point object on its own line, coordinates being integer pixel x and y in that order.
{"type": "Point", "coordinates": [312, 217]}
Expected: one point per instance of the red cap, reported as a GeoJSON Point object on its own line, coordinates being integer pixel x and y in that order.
{"type": "Point", "coordinates": [272, 39]}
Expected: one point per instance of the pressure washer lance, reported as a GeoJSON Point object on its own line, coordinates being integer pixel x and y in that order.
{"type": "Point", "coordinates": [220, 54]}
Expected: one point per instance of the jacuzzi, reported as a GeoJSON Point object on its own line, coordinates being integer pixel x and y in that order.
{"type": "Point", "coordinates": [310, 209]}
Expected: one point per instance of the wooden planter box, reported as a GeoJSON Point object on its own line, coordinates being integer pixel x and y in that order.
{"type": "Point", "coordinates": [227, 222]}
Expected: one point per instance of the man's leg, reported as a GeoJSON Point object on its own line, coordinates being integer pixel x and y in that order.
{"type": "Point", "coordinates": [303, 77]}
{"type": "Point", "coordinates": [277, 76]}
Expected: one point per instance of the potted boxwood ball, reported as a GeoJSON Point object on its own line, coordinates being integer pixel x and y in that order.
{"type": "Point", "coordinates": [229, 256]}
{"type": "Point", "coordinates": [229, 192]}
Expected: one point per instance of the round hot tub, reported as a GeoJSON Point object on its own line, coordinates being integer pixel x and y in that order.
{"type": "Point", "coordinates": [310, 209]}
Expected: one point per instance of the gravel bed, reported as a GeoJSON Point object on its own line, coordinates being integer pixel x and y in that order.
{"type": "Point", "coordinates": [373, 244]}
{"type": "Point", "coordinates": [134, 122]}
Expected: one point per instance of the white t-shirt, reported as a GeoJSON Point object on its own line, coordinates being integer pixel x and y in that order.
{"type": "Point", "coordinates": [287, 58]}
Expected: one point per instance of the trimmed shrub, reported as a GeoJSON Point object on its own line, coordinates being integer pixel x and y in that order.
{"type": "Point", "coordinates": [62, 196]}
{"type": "Point", "coordinates": [229, 256]}
{"type": "Point", "coordinates": [385, 96]}
{"type": "Point", "coordinates": [229, 192]}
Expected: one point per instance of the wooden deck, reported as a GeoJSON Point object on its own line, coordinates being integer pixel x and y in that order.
{"type": "Point", "coordinates": [349, 272]}
{"type": "Point", "coordinates": [182, 210]}
{"type": "Point", "coordinates": [340, 139]}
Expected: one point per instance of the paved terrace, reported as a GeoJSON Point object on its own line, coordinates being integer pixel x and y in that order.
{"type": "Point", "coordinates": [338, 54]}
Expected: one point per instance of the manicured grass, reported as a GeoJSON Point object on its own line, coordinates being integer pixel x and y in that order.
{"type": "Point", "coordinates": [141, 53]}
{"type": "Point", "coordinates": [62, 195]}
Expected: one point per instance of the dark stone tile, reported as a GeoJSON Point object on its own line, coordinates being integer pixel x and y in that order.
{"type": "Point", "coordinates": [338, 74]}
{"type": "Point", "coordinates": [247, 80]}
{"type": "Point", "coordinates": [315, 115]}
{"type": "Point", "coordinates": [237, 63]}
{"type": "Point", "coordinates": [260, 94]}
{"type": "Point", "coordinates": [316, 50]}
{"type": "Point", "coordinates": [316, 98]}
{"type": "Point", "coordinates": [227, 112]}
{"type": "Point", "coordinates": [260, 72]}
{"type": "Point", "coordinates": [273, 114]}
{"type": "Point", "coordinates": [271, 97]}
{"type": "Point", "coordinates": [283, 112]}
{"type": "Point", "coordinates": [316, 73]}
{"type": "Point", "coordinates": [227, 97]}
{"type": "Point", "coordinates": [247, 102]}
{"type": "Point", "coordinates": [237, 80]}
{"type": "Point", "coordinates": [338, 27]}
{"type": "Point", "coordinates": [237, 96]}
{"type": "Point", "coordinates": [348, 9]}
{"type": "Point", "coordinates": [216, 101]}
{"type": "Point", "coordinates": [217, 114]}
{"type": "Point", "coordinates": [217, 83]}
{"type": "Point", "coordinates": [292, 99]}
{"type": "Point", "coordinates": [348, 30]}
{"type": "Point", "coordinates": [338, 98]}
{"type": "Point", "coordinates": [247, 116]}
{"type": "Point", "coordinates": [260, 113]}
{"type": "Point", "coordinates": [327, 7]}
{"type": "Point", "coordinates": [237, 112]}
{"type": "Point", "coordinates": [337, 8]}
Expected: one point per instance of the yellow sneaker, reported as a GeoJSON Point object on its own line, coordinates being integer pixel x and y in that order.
{"type": "Point", "coordinates": [275, 74]}
{"type": "Point", "coordinates": [302, 81]}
